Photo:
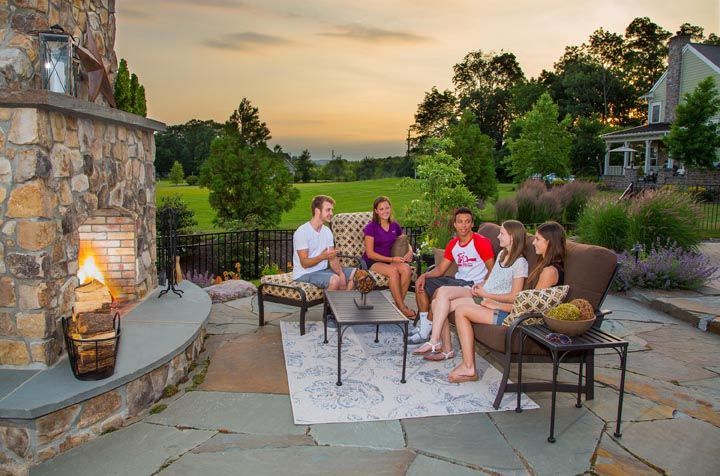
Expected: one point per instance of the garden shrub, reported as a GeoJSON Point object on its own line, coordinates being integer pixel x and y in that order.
{"type": "Point", "coordinates": [548, 207]}
{"type": "Point", "coordinates": [527, 198]}
{"type": "Point", "coordinates": [605, 223]}
{"type": "Point", "coordinates": [191, 180]}
{"type": "Point", "coordinates": [574, 197]}
{"type": "Point", "coordinates": [665, 216]}
{"type": "Point", "coordinates": [663, 267]}
{"type": "Point", "coordinates": [202, 280]}
{"type": "Point", "coordinates": [184, 215]}
{"type": "Point", "coordinates": [506, 209]}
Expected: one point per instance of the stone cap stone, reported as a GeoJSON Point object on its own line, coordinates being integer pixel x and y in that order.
{"type": "Point", "coordinates": [152, 333]}
{"type": "Point", "coordinates": [51, 101]}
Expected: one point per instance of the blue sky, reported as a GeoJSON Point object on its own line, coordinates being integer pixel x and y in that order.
{"type": "Point", "coordinates": [348, 76]}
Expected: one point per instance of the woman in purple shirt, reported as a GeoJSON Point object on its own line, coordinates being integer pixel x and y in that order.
{"type": "Point", "coordinates": [380, 234]}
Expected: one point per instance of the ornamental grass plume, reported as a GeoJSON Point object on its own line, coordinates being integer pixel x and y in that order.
{"type": "Point", "coordinates": [664, 267]}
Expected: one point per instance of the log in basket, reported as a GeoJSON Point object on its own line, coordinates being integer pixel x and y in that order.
{"type": "Point", "coordinates": [92, 355]}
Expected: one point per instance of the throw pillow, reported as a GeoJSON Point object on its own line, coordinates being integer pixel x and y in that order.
{"type": "Point", "coordinates": [536, 300]}
{"type": "Point", "coordinates": [400, 247]}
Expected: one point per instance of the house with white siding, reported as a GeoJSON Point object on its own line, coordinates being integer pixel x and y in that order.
{"type": "Point", "coordinates": [642, 147]}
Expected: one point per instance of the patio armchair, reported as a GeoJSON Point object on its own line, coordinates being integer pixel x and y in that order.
{"type": "Point", "coordinates": [589, 271]}
{"type": "Point", "coordinates": [349, 241]}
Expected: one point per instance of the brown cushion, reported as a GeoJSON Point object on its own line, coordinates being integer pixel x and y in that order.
{"type": "Point", "coordinates": [493, 337]}
{"type": "Point", "coordinates": [588, 271]}
{"type": "Point", "coordinates": [400, 247]}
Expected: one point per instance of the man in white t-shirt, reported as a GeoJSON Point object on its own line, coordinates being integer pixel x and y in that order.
{"type": "Point", "coordinates": [314, 256]}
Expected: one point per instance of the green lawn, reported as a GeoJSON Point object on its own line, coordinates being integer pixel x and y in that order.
{"type": "Point", "coordinates": [349, 197]}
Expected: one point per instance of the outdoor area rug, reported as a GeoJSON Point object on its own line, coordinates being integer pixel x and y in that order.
{"type": "Point", "coordinates": [371, 373]}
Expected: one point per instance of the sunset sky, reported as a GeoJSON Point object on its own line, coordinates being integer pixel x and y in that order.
{"type": "Point", "coordinates": [348, 76]}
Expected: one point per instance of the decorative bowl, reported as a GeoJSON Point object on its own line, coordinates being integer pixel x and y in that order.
{"type": "Point", "coordinates": [569, 328]}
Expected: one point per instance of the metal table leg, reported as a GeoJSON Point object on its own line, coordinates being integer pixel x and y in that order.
{"type": "Point", "coordinates": [556, 364]}
{"type": "Point", "coordinates": [623, 364]}
{"type": "Point", "coordinates": [325, 319]}
{"type": "Point", "coordinates": [377, 333]}
{"type": "Point", "coordinates": [518, 408]}
{"type": "Point", "coordinates": [339, 351]}
{"type": "Point", "coordinates": [405, 339]}
{"type": "Point", "coordinates": [578, 403]}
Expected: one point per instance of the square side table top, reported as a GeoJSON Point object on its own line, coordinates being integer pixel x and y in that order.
{"type": "Point", "coordinates": [343, 308]}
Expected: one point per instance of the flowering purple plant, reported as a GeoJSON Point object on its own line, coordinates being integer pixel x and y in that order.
{"type": "Point", "coordinates": [201, 279]}
{"type": "Point", "coordinates": [664, 267]}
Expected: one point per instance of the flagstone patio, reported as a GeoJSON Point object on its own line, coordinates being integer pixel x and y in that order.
{"type": "Point", "coordinates": [239, 418]}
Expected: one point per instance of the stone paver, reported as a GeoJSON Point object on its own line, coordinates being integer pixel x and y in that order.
{"type": "Point", "coordinates": [577, 432]}
{"type": "Point", "coordinates": [295, 461]}
{"type": "Point", "coordinates": [224, 441]}
{"type": "Point", "coordinates": [470, 439]}
{"type": "Point", "coordinates": [613, 460]}
{"type": "Point", "coordinates": [236, 412]}
{"type": "Point", "coordinates": [634, 408]}
{"type": "Point", "coordinates": [139, 449]}
{"type": "Point", "coordinates": [249, 363]}
{"type": "Point", "coordinates": [680, 446]}
{"type": "Point", "coordinates": [424, 466]}
{"type": "Point", "coordinates": [380, 434]}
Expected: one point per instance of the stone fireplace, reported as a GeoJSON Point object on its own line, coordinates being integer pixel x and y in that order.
{"type": "Point", "coordinates": [74, 175]}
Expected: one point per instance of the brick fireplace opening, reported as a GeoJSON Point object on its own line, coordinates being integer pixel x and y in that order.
{"type": "Point", "coordinates": [108, 241]}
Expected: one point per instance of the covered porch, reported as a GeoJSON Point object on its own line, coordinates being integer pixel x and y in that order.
{"type": "Point", "coordinates": [638, 148]}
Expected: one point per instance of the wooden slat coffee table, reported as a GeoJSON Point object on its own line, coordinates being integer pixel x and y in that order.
{"type": "Point", "coordinates": [340, 306]}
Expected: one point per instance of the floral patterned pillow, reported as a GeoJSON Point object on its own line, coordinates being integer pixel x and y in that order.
{"type": "Point", "coordinates": [536, 300]}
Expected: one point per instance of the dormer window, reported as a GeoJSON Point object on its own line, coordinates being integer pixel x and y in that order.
{"type": "Point", "coordinates": [654, 116]}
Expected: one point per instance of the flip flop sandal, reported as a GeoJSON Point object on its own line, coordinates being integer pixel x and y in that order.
{"type": "Point", "coordinates": [462, 378]}
{"type": "Point", "coordinates": [437, 356]}
{"type": "Point", "coordinates": [428, 347]}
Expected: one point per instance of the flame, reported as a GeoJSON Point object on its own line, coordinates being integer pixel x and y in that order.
{"type": "Point", "coordinates": [89, 271]}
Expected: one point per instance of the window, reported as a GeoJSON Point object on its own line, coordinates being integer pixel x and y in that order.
{"type": "Point", "coordinates": [654, 113]}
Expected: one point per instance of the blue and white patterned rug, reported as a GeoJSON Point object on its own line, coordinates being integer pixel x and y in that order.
{"type": "Point", "coordinates": [371, 372]}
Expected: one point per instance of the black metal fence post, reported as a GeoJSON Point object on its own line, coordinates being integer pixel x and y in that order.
{"type": "Point", "coordinates": [257, 252]}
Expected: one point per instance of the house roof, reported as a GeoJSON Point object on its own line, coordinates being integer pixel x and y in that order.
{"type": "Point", "coordinates": [710, 52]}
{"type": "Point", "coordinates": [656, 128]}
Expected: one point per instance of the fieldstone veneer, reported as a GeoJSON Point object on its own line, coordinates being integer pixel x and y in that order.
{"type": "Point", "coordinates": [61, 159]}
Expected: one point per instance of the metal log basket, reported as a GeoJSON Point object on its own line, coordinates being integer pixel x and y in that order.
{"type": "Point", "coordinates": [92, 357]}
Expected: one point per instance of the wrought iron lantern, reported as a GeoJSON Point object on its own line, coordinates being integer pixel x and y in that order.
{"type": "Point", "coordinates": [56, 52]}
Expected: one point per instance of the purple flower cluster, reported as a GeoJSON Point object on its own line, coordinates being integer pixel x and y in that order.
{"type": "Point", "coordinates": [201, 279]}
{"type": "Point", "coordinates": [664, 267]}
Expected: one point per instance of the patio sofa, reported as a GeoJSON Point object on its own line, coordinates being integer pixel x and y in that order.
{"type": "Point", "coordinates": [347, 230]}
{"type": "Point", "coordinates": [589, 271]}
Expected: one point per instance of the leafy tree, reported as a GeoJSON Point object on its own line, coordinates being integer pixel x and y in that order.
{"type": "Point", "coordinates": [184, 215]}
{"type": "Point", "coordinates": [249, 187]}
{"type": "Point", "coordinates": [134, 93]}
{"type": "Point", "coordinates": [123, 98]}
{"type": "Point", "coordinates": [544, 144]}
{"type": "Point", "coordinates": [712, 39]}
{"type": "Point", "coordinates": [524, 94]}
{"type": "Point", "coordinates": [336, 169]}
{"type": "Point", "coordinates": [434, 114]}
{"type": "Point", "coordinates": [245, 121]}
{"type": "Point", "coordinates": [482, 83]}
{"type": "Point", "coordinates": [365, 169]}
{"type": "Point", "coordinates": [696, 33]}
{"type": "Point", "coordinates": [693, 137]}
{"type": "Point", "coordinates": [587, 153]}
{"type": "Point", "coordinates": [140, 103]}
{"type": "Point", "coordinates": [304, 167]}
{"type": "Point", "coordinates": [177, 174]}
{"type": "Point", "coordinates": [187, 143]}
{"type": "Point", "coordinates": [474, 149]}
{"type": "Point", "coordinates": [646, 50]}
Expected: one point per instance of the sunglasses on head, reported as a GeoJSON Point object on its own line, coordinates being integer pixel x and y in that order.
{"type": "Point", "coordinates": [556, 338]}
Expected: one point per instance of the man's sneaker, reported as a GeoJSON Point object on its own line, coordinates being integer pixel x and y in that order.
{"type": "Point", "coordinates": [417, 339]}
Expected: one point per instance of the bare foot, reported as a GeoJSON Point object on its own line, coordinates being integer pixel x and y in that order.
{"type": "Point", "coordinates": [462, 372]}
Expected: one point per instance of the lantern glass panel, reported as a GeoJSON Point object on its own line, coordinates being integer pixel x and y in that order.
{"type": "Point", "coordinates": [57, 63]}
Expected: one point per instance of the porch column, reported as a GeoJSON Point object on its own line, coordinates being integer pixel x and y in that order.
{"type": "Point", "coordinates": [607, 159]}
{"type": "Point", "coordinates": [647, 156]}
{"type": "Point", "coordinates": [626, 158]}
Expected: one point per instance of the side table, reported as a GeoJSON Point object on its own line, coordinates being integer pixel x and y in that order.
{"type": "Point", "coordinates": [589, 341]}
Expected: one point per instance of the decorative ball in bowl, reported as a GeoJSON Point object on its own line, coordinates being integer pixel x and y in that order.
{"type": "Point", "coordinates": [566, 319]}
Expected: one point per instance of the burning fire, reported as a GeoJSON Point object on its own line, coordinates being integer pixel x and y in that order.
{"type": "Point", "coordinates": [89, 271]}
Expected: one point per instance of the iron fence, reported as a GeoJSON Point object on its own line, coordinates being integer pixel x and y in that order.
{"type": "Point", "coordinates": [247, 252]}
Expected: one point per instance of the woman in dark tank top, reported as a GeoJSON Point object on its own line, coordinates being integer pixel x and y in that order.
{"type": "Point", "coordinates": [549, 243]}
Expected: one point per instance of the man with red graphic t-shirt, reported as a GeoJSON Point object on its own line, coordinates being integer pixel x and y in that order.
{"type": "Point", "coordinates": [474, 257]}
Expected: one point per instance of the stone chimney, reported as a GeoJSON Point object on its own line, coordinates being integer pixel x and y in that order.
{"type": "Point", "coordinates": [672, 83]}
